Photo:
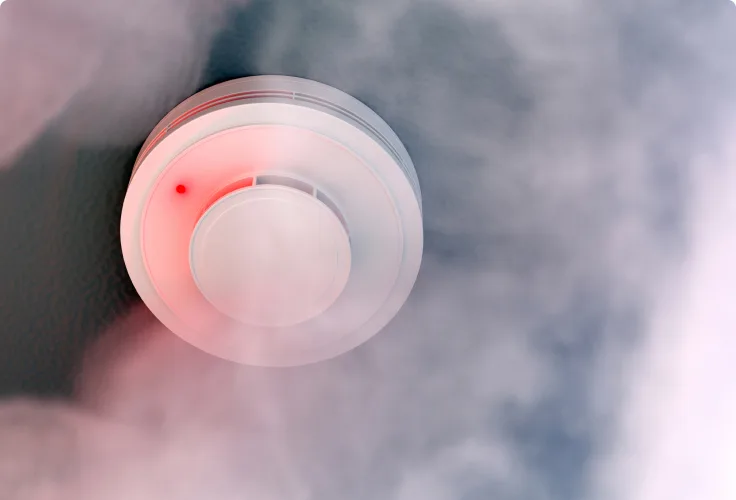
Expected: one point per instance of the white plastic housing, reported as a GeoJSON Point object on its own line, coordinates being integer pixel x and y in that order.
{"type": "Point", "coordinates": [273, 221]}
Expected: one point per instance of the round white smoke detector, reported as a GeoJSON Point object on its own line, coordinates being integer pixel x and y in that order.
{"type": "Point", "coordinates": [273, 221]}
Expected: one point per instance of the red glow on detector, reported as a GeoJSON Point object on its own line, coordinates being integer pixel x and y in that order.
{"type": "Point", "coordinates": [230, 188]}
{"type": "Point", "coordinates": [181, 189]}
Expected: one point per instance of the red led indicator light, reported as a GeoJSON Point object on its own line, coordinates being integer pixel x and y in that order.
{"type": "Point", "coordinates": [181, 189]}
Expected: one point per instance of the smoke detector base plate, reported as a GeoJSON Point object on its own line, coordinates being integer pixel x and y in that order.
{"type": "Point", "coordinates": [273, 221]}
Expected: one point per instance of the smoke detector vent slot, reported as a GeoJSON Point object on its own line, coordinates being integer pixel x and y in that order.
{"type": "Point", "coordinates": [331, 205]}
{"type": "Point", "coordinates": [278, 180]}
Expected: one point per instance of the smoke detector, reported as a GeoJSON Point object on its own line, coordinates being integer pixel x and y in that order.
{"type": "Point", "coordinates": [273, 221]}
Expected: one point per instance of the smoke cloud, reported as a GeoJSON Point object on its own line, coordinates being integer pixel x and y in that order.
{"type": "Point", "coordinates": [103, 72]}
{"type": "Point", "coordinates": [568, 336]}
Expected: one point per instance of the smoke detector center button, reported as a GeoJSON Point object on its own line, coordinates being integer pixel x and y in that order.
{"type": "Point", "coordinates": [270, 256]}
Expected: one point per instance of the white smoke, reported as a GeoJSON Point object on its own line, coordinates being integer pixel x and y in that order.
{"type": "Point", "coordinates": [103, 72]}
{"type": "Point", "coordinates": [568, 334]}
{"type": "Point", "coordinates": [677, 432]}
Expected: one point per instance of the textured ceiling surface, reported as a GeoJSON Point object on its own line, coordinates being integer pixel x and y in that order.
{"type": "Point", "coordinates": [559, 343]}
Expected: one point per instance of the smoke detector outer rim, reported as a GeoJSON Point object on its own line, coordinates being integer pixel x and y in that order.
{"type": "Point", "coordinates": [277, 108]}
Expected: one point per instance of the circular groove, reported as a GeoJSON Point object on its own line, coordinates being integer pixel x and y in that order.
{"type": "Point", "coordinates": [387, 139]}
